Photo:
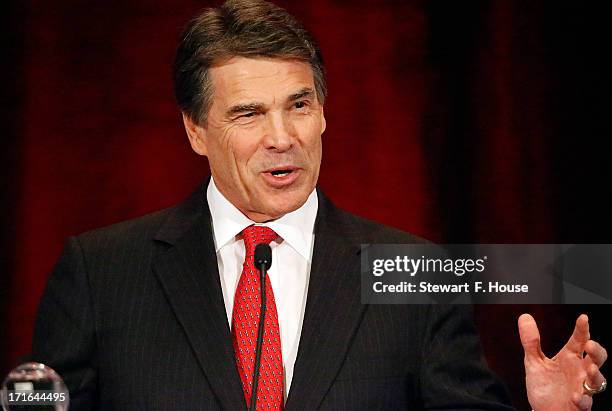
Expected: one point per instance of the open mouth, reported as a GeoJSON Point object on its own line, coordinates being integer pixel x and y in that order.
{"type": "Point", "coordinates": [281, 173]}
{"type": "Point", "coordinates": [282, 176]}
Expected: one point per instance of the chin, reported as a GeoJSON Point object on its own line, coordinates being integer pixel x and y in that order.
{"type": "Point", "coordinates": [283, 205]}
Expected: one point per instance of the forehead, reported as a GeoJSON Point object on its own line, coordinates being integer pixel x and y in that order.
{"type": "Point", "coordinates": [263, 80]}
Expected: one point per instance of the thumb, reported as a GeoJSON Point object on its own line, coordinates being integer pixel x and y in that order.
{"type": "Point", "coordinates": [530, 337]}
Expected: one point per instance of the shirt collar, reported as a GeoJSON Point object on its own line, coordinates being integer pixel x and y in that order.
{"type": "Point", "coordinates": [296, 227]}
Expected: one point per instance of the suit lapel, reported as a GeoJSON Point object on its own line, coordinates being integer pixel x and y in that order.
{"type": "Point", "coordinates": [333, 311]}
{"type": "Point", "coordinates": [188, 272]}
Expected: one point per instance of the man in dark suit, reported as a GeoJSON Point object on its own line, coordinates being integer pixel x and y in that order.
{"type": "Point", "coordinates": [158, 312]}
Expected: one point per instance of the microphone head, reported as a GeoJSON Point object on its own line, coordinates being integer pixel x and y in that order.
{"type": "Point", "coordinates": [263, 255]}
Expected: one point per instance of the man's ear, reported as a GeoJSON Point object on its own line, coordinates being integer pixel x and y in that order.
{"type": "Point", "coordinates": [323, 122]}
{"type": "Point", "coordinates": [196, 134]}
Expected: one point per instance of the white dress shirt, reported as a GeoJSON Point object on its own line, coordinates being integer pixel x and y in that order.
{"type": "Point", "coordinates": [290, 270]}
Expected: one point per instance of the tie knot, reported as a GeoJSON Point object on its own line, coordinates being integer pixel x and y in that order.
{"type": "Point", "coordinates": [257, 234]}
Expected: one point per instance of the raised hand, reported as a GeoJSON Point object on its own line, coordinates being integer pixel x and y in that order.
{"type": "Point", "coordinates": [562, 383]}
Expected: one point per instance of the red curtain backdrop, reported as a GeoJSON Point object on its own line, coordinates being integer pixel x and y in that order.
{"type": "Point", "coordinates": [480, 121]}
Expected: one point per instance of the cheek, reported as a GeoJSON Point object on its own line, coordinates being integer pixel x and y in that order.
{"type": "Point", "coordinates": [219, 156]}
{"type": "Point", "coordinates": [315, 145]}
{"type": "Point", "coordinates": [317, 156]}
{"type": "Point", "coordinates": [242, 148]}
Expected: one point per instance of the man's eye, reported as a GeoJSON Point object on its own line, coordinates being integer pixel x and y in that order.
{"type": "Point", "coordinates": [247, 115]}
{"type": "Point", "coordinates": [300, 104]}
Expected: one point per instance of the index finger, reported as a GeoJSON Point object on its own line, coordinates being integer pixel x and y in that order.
{"type": "Point", "coordinates": [580, 336]}
{"type": "Point", "coordinates": [530, 337]}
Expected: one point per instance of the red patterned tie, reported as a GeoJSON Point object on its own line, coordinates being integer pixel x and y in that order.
{"type": "Point", "coordinates": [245, 320]}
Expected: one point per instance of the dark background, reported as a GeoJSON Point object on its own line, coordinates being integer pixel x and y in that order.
{"type": "Point", "coordinates": [478, 121]}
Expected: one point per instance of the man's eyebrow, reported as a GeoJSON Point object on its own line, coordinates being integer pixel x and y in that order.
{"type": "Point", "coordinates": [241, 108]}
{"type": "Point", "coordinates": [259, 107]}
{"type": "Point", "coordinates": [305, 92]}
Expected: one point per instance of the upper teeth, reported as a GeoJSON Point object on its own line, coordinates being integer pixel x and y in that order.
{"type": "Point", "coordinates": [280, 173]}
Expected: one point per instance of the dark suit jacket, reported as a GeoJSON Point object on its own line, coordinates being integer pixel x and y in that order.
{"type": "Point", "coordinates": [133, 318]}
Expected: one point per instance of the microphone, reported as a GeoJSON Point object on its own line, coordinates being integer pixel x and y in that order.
{"type": "Point", "coordinates": [263, 262]}
{"type": "Point", "coordinates": [263, 256]}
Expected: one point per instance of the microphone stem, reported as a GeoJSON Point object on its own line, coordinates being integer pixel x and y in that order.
{"type": "Point", "coordinates": [260, 332]}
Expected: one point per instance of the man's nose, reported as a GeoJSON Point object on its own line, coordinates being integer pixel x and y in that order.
{"type": "Point", "coordinates": [280, 132]}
